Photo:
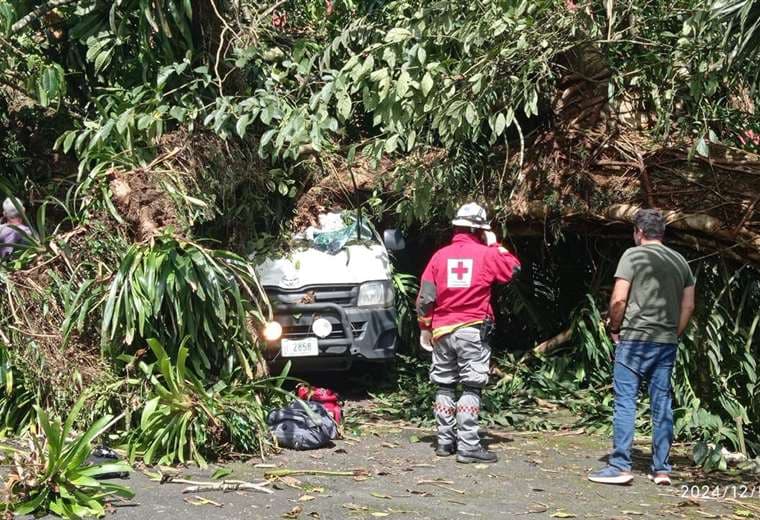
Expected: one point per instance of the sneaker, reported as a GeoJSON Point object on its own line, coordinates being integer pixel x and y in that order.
{"type": "Point", "coordinates": [446, 450]}
{"type": "Point", "coordinates": [661, 479]}
{"type": "Point", "coordinates": [610, 475]}
{"type": "Point", "coordinates": [479, 455]}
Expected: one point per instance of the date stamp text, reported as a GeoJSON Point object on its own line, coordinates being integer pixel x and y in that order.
{"type": "Point", "coordinates": [737, 491]}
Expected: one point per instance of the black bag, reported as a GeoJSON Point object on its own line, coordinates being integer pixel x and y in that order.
{"type": "Point", "coordinates": [487, 329]}
{"type": "Point", "coordinates": [294, 427]}
{"type": "Point", "coordinates": [105, 455]}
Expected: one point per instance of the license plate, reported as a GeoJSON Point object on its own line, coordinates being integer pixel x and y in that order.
{"type": "Point", "coordinates": [300, 348]}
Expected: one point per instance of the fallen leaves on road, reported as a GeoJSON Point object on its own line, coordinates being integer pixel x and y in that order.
{"type": "Point", "coordinates": [443, 484]}
{"type": "Point", "coordinates": [293, 513]}
{"type": "Point", "coordinates": [563, 514]}
{"type": "Point", "coordinates": [538, 507]}
{"type": "Point", "coordinates": [291, 482]}
{"type": "Point", "coordinates": [200, 501]}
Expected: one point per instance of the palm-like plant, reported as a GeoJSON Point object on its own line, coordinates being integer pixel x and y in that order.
{"type": "Point", "coordinates": [186, 421]}
{"type": "Point", "coordinates": [743, 30]}
{"type": "Point", "coordinates": [174, 289]}
{"type": "Point", "coordinates": [16, 400]}
{"type": "Point", "coordinates": [54, 476]}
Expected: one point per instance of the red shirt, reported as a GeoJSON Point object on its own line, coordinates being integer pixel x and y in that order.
{"type": "Point", "coordinates": [455, 289]}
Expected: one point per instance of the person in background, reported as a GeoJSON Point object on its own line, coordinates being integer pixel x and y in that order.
{"type": "Point", "coordinates": [455, 318]}
{"type": "Point", "coordinates": [651, 305]}
{"type": "Point", "coordinates": [12, 228]}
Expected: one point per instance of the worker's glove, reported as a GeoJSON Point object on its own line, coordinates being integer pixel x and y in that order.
{"type": "Point", "coordinates": [426, 340]}
{"type": "Point", "coordinates": [489, 237]}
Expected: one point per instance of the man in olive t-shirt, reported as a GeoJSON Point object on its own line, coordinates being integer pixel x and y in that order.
{"type": "Point", "coordinates": [651, 305]}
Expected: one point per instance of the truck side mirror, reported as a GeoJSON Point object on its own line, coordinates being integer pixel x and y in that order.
{"type": "Point", "coordinates": [393, 240]}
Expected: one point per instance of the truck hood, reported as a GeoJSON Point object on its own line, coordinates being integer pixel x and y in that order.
{"type": "Point", "coordinates": [354, 264]}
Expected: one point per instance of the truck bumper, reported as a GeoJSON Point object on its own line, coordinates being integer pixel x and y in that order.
{"type": "Point", "coordinates": [367, 333]}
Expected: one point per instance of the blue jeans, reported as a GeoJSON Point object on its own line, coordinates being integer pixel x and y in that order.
{"type": "Point", "coordinates": [636, 361]}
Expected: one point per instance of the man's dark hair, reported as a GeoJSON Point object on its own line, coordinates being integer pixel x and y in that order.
{"type": "Point", "coordinates": [651, 223]}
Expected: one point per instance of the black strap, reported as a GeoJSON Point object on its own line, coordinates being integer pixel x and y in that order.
{"type": "Point", "coordinates": [446, 389]}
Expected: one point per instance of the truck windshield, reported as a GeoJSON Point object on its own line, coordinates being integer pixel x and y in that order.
{"type": "Point", "coordinates": [336, 230]}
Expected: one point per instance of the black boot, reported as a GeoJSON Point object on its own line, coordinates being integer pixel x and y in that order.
{"type": "Point", "coordinates": [479, 455]}
{"type": "Point", "coordinates": [446, 450]}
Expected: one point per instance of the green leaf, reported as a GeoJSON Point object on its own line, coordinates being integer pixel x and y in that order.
{"type": "Point", "coordinates": [69, 140]}
{"type": "Point", "coordinates": [267, 137]}
{"type": "Point", "coordinates": [148, 410]}
{"type": "Point", "coordinates": [470, 114]}
{"type": "Point", "coordinates": [410, 140]}
{"type": "Point", "coordinates": [102, 469]}
{"type": "Point", "coordinates": [178, 113]}
{"type": "Point", "coordinates": [85, 481]}
{"type": "Point", "coordinates": [50, 84]}
{"type": "Point", "coordinates": [397, 34]}
{"type": "Point", "coordinates": [220, 473]}
{"type": "Point", "coordinates": [402, 85]}
{"type": "Point", "coordinates": [7, 17]}
{"type": "Point", "coordinates": [379, 75]}
{"type": "Point", "coordinates": [344, 106]}
{"type": "Point", "coordinates": [391, 144]}
{"type": "Point", "coordinates": [499, 124]}
{"type": "Point", "coordinates": [102, 60]}
{"type": "Point", "coordinates": [242, 124]}
{"type": "Point", "coordinates": [33, 504]}
{"type": "Point", "coordinates": [702, 148]}
{"type": "Point", "coordinates": [55, 442]}
{"type": "Point", "coordinates": [426, 85]}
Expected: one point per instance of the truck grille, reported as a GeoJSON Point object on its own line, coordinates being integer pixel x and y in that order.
{"type": "Point", "coordinates": [344, 295]}
{"type": "Point", "coordinates": [296, 332]}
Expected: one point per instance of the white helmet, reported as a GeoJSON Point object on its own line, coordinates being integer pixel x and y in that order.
{"type": "Point", "coordinates": [471, 215]}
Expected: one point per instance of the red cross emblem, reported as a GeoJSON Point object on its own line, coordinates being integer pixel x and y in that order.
{"type": "Point", "coordinates": [460, 270]}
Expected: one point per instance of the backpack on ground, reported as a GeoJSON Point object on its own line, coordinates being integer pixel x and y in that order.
{"type": "Point", "coordinates": [297, 428]}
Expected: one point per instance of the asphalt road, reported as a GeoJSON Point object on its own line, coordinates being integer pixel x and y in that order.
{"type": "Point", "coordinates": [538, 475]}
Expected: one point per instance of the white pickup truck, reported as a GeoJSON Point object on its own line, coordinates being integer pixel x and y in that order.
{"type": "Point", "coordinates": [332, 296]}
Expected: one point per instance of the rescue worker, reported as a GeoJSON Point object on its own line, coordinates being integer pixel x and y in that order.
{"type": "Point", "coordinates": [456, 318]}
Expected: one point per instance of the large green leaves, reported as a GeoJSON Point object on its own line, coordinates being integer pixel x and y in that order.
{"type": "Point", "coordinates": [186, 421]}
{"type": "Point", "coordinates": [182, 293]}
{"type": "Point", "coordinates": [61, 482]}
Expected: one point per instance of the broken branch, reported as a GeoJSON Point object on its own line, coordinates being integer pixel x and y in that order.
{"type": "Point", "coordinates": [292, 472]}
{"type": "Point", "coordinates": [225, 485]}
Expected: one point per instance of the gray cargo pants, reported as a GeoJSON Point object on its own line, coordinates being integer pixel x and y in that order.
{"type": "Point", "coordinates": [459, 358]}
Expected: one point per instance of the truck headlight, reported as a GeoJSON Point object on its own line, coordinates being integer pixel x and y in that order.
{"type": "Point", "coordinates": [375, 294]}
{"type": "Point", "coordinates": [272, 331]}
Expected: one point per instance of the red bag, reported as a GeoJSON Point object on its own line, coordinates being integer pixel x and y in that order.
{"type": "Point", "coordinates": [324, 396]}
